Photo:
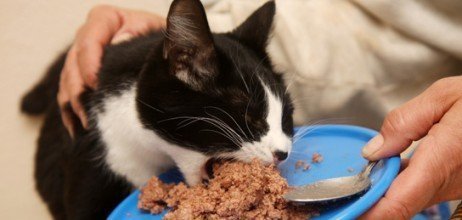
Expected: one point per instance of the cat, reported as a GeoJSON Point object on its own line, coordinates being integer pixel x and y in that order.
{"type": "Point", "coordinates": [177, 97]}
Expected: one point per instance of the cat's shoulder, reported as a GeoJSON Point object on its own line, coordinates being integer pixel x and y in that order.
{"type": "Point", "coordinates": [123, 62]}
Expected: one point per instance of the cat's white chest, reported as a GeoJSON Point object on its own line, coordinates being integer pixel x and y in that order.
{"type": "Point", "coordinates": [131, 150]}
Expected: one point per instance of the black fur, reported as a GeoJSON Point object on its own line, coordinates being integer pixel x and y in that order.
{"type": "Point", "coordinates": [72, 176]}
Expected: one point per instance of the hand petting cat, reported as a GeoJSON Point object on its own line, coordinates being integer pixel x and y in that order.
{"type": "Point", "coordinates": [434, 173]}
{"type": "Point", "coordinates": [105, 24]}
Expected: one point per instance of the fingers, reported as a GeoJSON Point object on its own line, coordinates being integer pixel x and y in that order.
{"type": "Point", "coordinates": [106, 24]}
{"type": "Point", "coordinates": [83, 61]}
{"type": "Point", "coordinates": [155, 22]}
{"type": "Point", "coordinates": [433, 173]}
{"type": "Point", "coordinates": [412, 121]}
{"type": "Point", "coordinates": [102, 24]}
{"type": "Point", "coordinates": [66, 116]}
{"type": "Point", "coordinates": [137, 23]}
{"type": "Point", "coordinates": [88, 59]}
{"type": "Point", "coordinates": [410, 192]}
{"type": "Point", "coordinates": [70, 88]}
{"type": "Point", "coordinates": [448, 153]}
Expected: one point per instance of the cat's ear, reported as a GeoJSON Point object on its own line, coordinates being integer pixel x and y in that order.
{"type": "Point", "coordinates": [189, 46]}
{"type": "Point", "coordinates": [254, 31]}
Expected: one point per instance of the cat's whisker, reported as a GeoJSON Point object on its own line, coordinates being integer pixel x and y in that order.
{"type": "Point", "coordinates": [254, 71]}
{"type": "Point", "coordinates": [301, 100]}
{"type": "Point", "coordinates": [150, 106]}
{"type": "Point", "coordinates": [226, 126]}
{"type": "Point", "coordinates": [217, 132]}
{"type": "Point", "coordinates": [261, 62]}
{"type": "Point", "coordinates": [230, 116]}
{"type": "Point", "coordinates": [245, 118]}
{"type": "Point", "coordinates": [299, 152]}
{"type": "Point", "coordinates": [241, 75]}
{"type": "Point", "coordinates": [338, 120]}
{"type": "Point", "coordinates": [215, 122]}
{"type": "Point", "coordinates": [303, 132]}
{"type": "Point", "coordinates": [219, 126]}
{"type": "Point", "coordinates": [185, 123]}
{"type": "Point", "coordinates": [291, 82]}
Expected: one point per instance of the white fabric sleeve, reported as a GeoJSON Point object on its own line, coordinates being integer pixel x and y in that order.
{"type": "Point", "coordinates": [355, 59]}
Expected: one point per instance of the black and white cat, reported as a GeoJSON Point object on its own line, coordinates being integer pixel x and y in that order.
{"type": "Point", "coordinates": [178, 97]}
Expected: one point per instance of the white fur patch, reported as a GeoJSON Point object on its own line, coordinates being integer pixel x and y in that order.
{"type": "Point", "coordinates": [138, 153]}
{"type": "Point", "coordinates": [274, 140]}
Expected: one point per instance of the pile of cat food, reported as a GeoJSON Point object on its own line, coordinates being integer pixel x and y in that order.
{"type": "Point", "coordinates": [237, 191]}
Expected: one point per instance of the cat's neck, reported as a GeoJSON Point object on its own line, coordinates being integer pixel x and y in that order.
{"type": "Point", "coordinates": [129, 146]}
{"type": "Point", "coordinates": [135, 152]}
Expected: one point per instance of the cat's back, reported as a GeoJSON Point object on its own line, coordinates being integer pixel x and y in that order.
{"type": "Point", "coordinates": [59, 159]}
{"type": "Point", "coordinates": [120, 65]}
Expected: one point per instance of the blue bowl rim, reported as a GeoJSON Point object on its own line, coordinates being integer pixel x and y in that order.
{"type": "Point", "coordinates": [391, 166]}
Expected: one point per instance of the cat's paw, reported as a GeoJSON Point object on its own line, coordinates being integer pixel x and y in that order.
{"type": "Point", "coordinates": [192, 166]}
{"type": "Point", "coordinates": [193, 179]}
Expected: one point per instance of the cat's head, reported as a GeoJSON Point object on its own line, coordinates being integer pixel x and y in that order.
{"type": "Point", "coordinates": [217, 93]}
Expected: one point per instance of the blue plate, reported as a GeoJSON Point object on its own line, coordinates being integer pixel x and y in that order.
{"type": "Point", "coordinates": [340, 146]}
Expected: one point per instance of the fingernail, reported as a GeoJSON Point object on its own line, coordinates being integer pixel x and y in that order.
{"type": "Point", "coordinates": [372, 146]}
{"type": "Point", "coordinates": [121, 38]}
{"type": "Point", "coordinates": [83, 119]}
{"type": "Point", "coordinates": [69, 130]}
{"type": "Point", "coordinates": [71, 133]}
{"type": "Point", "coordinates": [68, 125]}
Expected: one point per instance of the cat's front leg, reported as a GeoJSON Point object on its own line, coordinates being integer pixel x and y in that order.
{"type": "Point", "coordinates": [192, 165]}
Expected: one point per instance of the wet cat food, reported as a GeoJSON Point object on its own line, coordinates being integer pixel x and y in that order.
{"type": "Point", "coordinates": [237, 191]}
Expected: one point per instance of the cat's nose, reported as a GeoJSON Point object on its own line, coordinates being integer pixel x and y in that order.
{"type": "Point", "coordinates": [280, 155]}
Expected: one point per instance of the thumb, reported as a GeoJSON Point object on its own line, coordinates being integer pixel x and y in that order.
{"type": "Point", "coordinates": [409, 193]}
{"type": "Point", "coordinates": [411, 121]}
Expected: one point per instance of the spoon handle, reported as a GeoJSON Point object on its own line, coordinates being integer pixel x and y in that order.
{"type": "Point", "coordinates": [367, 170]}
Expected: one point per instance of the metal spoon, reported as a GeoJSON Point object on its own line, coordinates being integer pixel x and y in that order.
{"type": "Point", "coordinates": [332, 189]}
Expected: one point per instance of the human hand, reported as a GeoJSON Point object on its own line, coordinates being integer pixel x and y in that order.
{"type": "Point", "coordinates": [104, 25]}
{"type": "Point", "coordinates": [434, 173]}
